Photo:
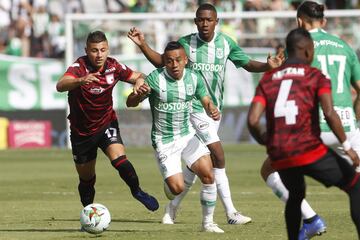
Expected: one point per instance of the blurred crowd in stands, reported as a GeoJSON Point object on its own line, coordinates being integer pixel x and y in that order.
{"type": "Point", "coordinates": [35, 28]}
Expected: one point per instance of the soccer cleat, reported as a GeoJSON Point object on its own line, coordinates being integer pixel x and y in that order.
{"type": "Point", "coordinates": [149, 201]}
{"type": "Point", "coordinates": [238, 218]}
{"type": "Point", "coordinates": [170, 214]}
{"type": "Point", "coordinates": [309, 230]}
{"type": "Point", "coordinates": [211, 227]}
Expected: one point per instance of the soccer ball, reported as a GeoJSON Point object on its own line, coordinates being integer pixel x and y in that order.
{"type": "Point", "coordinates": [95, 218]}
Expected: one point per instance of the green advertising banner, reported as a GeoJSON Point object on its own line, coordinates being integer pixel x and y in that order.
{"type": "Point", "coordinates": [30, 84]}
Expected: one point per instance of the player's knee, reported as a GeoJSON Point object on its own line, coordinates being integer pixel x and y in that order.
{"type": "Point", "coordinates": [207, 178]}
{"type": "Point", "coordinates": [266, 169]}
{"type": "Point", "coordinates": [176, 188]}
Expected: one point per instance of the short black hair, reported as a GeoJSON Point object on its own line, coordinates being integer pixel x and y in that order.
{"type": "Point", "coordinates": [173, 45]}
{"type": "Point", "coordinates": [206, 6]}
{"type": "Point", "coordinates": [96, 37]}
{"type": "Point", "coordinates": [295, 38]}
{"type": "Point", "coordinates": [311, 10]}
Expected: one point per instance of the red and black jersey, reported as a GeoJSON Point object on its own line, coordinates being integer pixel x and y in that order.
{"type": "Point", "coordinates": [290, 94]}
{"type": "Point", "coordinates": [91, 106]}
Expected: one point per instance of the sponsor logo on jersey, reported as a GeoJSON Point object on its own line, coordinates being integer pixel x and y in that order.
{"type": "Point", "coordinates": [327, 43]}
{"type": "Point", "coordinates": [209, 67]}
{"type": "Point", "coordinates": [189, 89]}
{"type": "Point", "coordinates": [174, 106]}
{"type": "Point", "coordinates": [219, 53]}
{"type": "Point", "coordinates": [112, 69]}
{"type": "Point", "coordinates": [203, 125]}
{"type": "Point", "coordinates": [96, 90]}
{"type": "Point", "coordinates": [109, 78]}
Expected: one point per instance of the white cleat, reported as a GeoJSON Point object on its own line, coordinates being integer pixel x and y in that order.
{"type": "Point", "coordinates": [170, 214]}
{"type": "Point", "coordinates": [211, 227]}
{"type": "Point", "coordinates": [238, 218]}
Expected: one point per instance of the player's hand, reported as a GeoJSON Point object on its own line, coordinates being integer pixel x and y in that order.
{"type": "Point", "coordinates": [136, 36]}
{"type": "Point", "coordinates": [91, 77]}
{"type": "Point", "coordinates": [137, 86]}
{"type": "Point", "coordinates": [354, 157]}
{"type": "Point", "coordinates": [215, 114]}
{"type": "Point", "coordinates": [144, 90]}
{"type": "Point", "coordinates": [276, 61]}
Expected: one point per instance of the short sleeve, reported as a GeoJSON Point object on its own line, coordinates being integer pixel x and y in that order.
{"type": "Point", "coordinates": [123, 72]}
{"type": "Point", "coordinates": [237, 55]}
{"type": "Point", "coordinates": [355, 68]}
{"type": "Point", "coordinates": [74, 69]}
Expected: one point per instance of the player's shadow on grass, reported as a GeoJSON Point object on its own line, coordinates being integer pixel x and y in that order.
{"type": "Point", "coordinates": [121, 220]}
{"type": "Point", "coordinates": [33, 230]}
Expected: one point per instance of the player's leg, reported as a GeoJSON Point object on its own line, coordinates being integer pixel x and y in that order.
{"type": "Point", "coordinates": [197, 157]}
{"type": "Point", "coordinates": [207, 129]}
{"type": "Point", "coordinates": [312, 223]}
{"type": "Point", "coordinates": [294, 181]}
{"type": "Point", "coordinates": [169, 163]}
{"type": "Point", "coordinates": [273, 180]}
{"type": "Point", "coordinates": [333, 170]}
{"type": "Point", "coordinates": [84, 152]}
{"type": "Point", "coordinates": [87, 179]}
{"type": "Point", "coordinates": [112, 145]}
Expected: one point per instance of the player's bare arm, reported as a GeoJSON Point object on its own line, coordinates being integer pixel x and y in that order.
{"type": "Point", "coordinates": [138, 38]}
{"type": "Point", "coordinates": [134, 99]}
{"type": "Point", "coordinates": [272, 62]}
{"type": "Point", "coordinates": [253, 121]}
{"type": "Point", "coordinates": [137, 79]}
{"type": "Point", "coordinates": [356, 86]}
{"type": "Point", "coordinates": [210, 108]}
{"type": "Point", "coordinates": [67, 82]}
{"type": "Point", "coordinates": [334, 122]}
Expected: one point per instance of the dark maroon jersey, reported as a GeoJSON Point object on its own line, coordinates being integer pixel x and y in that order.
{"type": "Point", "coordinates": [290, 94]}
{"type": "Point", "coordinates": [91, 106]}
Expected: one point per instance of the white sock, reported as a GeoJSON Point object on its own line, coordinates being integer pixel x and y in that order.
{"type": "Point", "coordinates": [278, 188]}
{"type": "Point", "coordinates": [223, 189]}
{"type": "Point", "coordinates": [208, 202]}
{"type": "Point", "coordinates": [189, 180]}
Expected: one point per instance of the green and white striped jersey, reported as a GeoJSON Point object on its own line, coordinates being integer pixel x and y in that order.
{"type": "Point", "coordinates": [170, 102]}
{"type": "Point", "coordinates": [337, 61]}
{"type": "Point", "coordinates": [209, 60]}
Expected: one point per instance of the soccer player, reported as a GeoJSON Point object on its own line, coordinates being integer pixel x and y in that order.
{"type": "Point", "coordinates": [289, 96]}
{"type": "Point", "coordinates": [208, 52]}
{"type": "Point", "coordinates": [339, 62]}
{"type": "Point", "coordinates": [93, 122]}
{"type": "Point", "coordinates": [172, 90]}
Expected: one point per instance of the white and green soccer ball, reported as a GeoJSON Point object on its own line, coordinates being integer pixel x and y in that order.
{"type": "Point", "coordinates": [95, 218]}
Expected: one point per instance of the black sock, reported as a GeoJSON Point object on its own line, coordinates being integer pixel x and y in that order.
{"type": "Point", "coordinates": [310, 220]}
{"type": "Point", "coordinates": [127, 172]}
{"type": "Point", "coordinates": [354, 195]}
{"type": "Point", "coordinates": [87, 191]}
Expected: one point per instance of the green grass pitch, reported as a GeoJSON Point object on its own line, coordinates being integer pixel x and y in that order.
{"type": "Point", "coordinates": [39, 200]}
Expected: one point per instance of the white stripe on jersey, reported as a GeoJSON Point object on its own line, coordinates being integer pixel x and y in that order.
{"type": "Point", "coordinates": [163, 97]}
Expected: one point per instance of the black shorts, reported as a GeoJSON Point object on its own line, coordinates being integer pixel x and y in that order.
{"type": "Point", "coordinates": [330, 170]}
{"type": "Point", "coordinates": [84, 148]}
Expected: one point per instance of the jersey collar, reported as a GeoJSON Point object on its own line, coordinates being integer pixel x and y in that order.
{"type": "Point", "coordinates": [212, 40]}
{"type": "Point", "coordinates": [315, 30]}
{"type": "Point", "coordinates": [169, 76]}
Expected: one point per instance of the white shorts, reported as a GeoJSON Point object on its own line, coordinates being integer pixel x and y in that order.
{"type": "Point", "coordinates": [205, 127]}
{"type": "Point", "coordinates": [189, 148]}
{"type": "Point", "coordinates": [331, 141]}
